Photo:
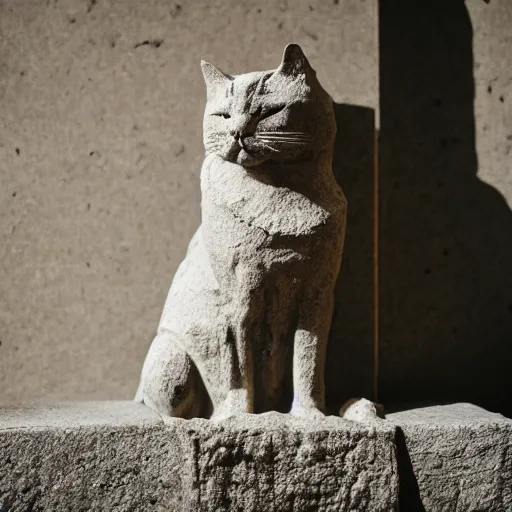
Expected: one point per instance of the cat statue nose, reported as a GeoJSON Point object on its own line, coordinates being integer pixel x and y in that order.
{"type": "Point", "coordinates": [243, 126]}
{"type": "Point", "coordinates": [240, 136]}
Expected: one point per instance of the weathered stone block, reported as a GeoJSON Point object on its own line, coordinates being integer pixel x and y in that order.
{"type": "Point", "coordinates": [273, 462]}
{"type": "Point", "coordinates": [119, 456]}
{"type": "Point", "coordinates": [110, 456]}
{"type": "Point", "coordinates": [455, 458]}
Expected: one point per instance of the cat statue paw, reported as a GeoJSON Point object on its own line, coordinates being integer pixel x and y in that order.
{"type": "Point", "coordinates": [362, 410]}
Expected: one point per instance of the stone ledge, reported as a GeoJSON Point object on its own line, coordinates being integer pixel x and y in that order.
{"type": "Point", "coordinates": [119, 456]}
{"type": "Point", "coordinates": [454, 457]}
{"type": "Point", "coordinates": [85, 457]}
{"type": "Point", "coordinates": [275, 462]}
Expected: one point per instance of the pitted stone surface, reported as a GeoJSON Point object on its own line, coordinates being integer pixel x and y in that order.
{"type": "Point", "coordinates": [274, 462]}
{"type": "Point", "coordinates": [119, 456]}
{"type": "Point", "coordinates": [109, 456]}
{"type": "Point", "coordinates": [456, 458]}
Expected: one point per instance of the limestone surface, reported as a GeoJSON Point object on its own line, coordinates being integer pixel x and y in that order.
{"type": "Point", "coordinates": [455, 458]}
{"type": "Point", "coordinates": [101, 456]}
{"type": "Point", "coordinates": [120, 456]}
{"type": "Point", "coordinates": [276, 462]}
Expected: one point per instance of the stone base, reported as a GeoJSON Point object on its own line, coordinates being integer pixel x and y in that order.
{"type": "Point", "coordinates": [110, 456]}
{"type": "Point", "coordinates": [274, 462]}
{"type": "Point", "coordinates": [455, 458]}
{"type": "Point", "coordinates": [119, 456]}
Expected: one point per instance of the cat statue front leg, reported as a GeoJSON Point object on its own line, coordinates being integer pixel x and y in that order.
{"type": "Point", "coordinates": [310, 348]}
{"type": "Point", "coordinates": [248, 309]}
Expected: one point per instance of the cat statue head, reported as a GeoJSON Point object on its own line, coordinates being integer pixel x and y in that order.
{"type": "Point", "coordinates": [268, 117]}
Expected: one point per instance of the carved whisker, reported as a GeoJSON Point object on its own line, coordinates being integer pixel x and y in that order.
{"type": "Point", "coordinates": [293, 137]}
{"type": "Point", "coordinates": [281, 138]}
{"type": "Point", "coordinates": [285, 133]}
{"type": "Point", "coordinates": [284, 141]}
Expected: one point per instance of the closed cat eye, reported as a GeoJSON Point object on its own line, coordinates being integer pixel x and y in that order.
{"type": "Point", "coordinates": [221, 114]}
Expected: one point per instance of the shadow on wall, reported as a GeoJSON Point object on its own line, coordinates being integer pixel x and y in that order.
{"type": "Point", "coordinates": [349, 371]}
{"type": "Point", "coordinates": [445, 236]}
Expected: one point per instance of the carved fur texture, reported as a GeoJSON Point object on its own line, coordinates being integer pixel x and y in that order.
{"type": "Point", "coordinates": [245, 325]}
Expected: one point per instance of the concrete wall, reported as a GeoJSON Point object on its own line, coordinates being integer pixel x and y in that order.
{"type": "Point", "coordinates": [100, 152]}
{"type": "Point", "coordinates": [446, 194]}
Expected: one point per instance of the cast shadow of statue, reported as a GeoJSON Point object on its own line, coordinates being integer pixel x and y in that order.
{"type": "Point", "coordinates": [445, 236]}
{"type": "Point", "coordinates": [349, 371]}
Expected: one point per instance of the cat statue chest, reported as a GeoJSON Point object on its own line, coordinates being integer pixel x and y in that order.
{"type": "Point", "coordinates": [232, 196]}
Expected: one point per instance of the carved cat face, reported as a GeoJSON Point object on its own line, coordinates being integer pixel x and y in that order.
{"type": "Point", "coordinates": [281, 116]}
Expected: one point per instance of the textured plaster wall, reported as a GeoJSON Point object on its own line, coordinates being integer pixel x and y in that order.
{"type": "Point", "coordinates": [101, 108]}
{"type": "Point", "coordinates": [492, 44]}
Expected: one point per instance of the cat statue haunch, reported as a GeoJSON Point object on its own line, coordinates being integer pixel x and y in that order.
{"type": "Point", "coordinates": [245, 325]}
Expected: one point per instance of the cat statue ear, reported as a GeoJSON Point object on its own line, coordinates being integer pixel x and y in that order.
{"type": "Point", "coordinates": [213, 77]}
{"type": "Point", "coordinates": [294, 62]}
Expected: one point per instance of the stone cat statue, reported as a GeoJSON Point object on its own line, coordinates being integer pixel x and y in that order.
{"type": "Point", "coordinates": [246, 321]}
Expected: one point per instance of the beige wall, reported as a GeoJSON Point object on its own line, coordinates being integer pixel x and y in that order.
{"type": "Point", "coordinates": [100, 152]}
{"type": "Point", "coordinates": [492, 48]}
